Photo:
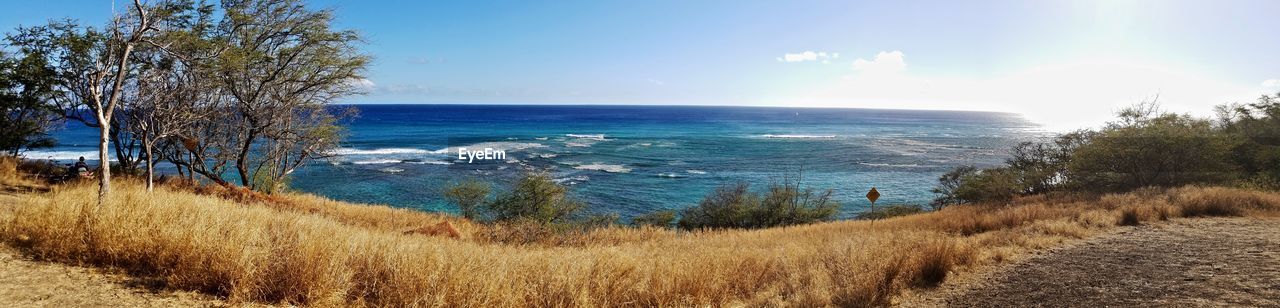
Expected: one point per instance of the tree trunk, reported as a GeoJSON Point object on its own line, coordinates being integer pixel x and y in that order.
{"type": "Point", "coordinates": [104, 160]}
{"type": "Point", "coordinates": [242, 163]}
{"type": "Point", "coordinates": [146, 146]}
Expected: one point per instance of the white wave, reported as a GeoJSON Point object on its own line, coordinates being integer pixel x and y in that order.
{"type": "Point", "coordinates": [383, 151]}
{"type": "Point", "coordinates": [391, 170]}
{"type": "Point", "coordinates": [604, 167]}
{"type": "Point", "coordinates": [692, 171]}
{"type": "Point", "coordinates": [598, 137]}
{"type": "Point", "coordinates": [578, 144]}
{"type": "Point", "coordinates": [572, 180]}
{"type": "Point", "coordinates": [547, 155]}
{"type": "Point", "coordinates": [376, 161]}
{"type": "Point", "coordinates": [541, 138]}
{"type": "Point", "coordinates": [429, 162]}
{"type": "Point", "coordinates": [671, 175]}
{"type": "Point", "coordinates": [772, 136]}
{"type": "Point", "coordinates": [62, 155]}
{"type": "Point", "coordinates": [503, 146]}
{"type": "Point", "coordinates": [892, 165]}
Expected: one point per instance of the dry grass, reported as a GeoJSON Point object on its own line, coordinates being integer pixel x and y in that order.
{"type": "Point", "coordinates": [11, 178]}
{"type": "Point", "coordinates": [313, 251]}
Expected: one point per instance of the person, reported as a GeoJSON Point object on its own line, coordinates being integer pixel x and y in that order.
{"type": "Point", "coordinates": [81, 167]}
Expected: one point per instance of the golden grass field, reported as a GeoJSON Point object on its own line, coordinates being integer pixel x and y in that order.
{"type": "Point", "coordinates": [301, 249]}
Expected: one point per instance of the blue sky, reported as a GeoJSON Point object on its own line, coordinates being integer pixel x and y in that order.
{"type": "Point", "coordinates": [1063, 63]}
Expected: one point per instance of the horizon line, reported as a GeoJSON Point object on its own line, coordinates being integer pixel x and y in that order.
{"type": "Point", "coordinates": [664, 105]}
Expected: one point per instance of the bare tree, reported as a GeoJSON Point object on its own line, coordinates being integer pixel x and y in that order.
{"type": "Point", "coordinates": [169, 86]}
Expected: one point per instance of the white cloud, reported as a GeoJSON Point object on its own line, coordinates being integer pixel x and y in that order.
{"type": "Point", "coordinates": [884, 62]}
{"type": "Point", "coordinates": [1077, 94]}
{"type": "Point", "coordinates": [822, 56]}
{"type": "Point", "coordinates": [1271, 83]}
{"type": "Point", "coordinates": [656, 82]}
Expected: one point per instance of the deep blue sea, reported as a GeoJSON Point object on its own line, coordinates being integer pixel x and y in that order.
{"type": "Point", "coordinates": [632, 160]}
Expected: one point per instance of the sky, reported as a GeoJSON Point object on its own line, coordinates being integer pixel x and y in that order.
{"type": "Point", "coordinates": [1064, 64]}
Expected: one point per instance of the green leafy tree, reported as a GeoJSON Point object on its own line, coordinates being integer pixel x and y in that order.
{"type": "Point", "coordinates": [26, 85]}
{"type": "Point", "coordinates": [1146, 147]}
{"type": "Point", "coordinates": [535, 198]}
{"type": "Point", "coordinates": [949, 184]}
{"type": "Point", "coordinates": [735, 206]}
{"type": "Point", "coordinates": [91, 66]}
{"type": "Point", "coordinates": [989, 185]}
{"type": "Point", "coordinates": [1257, 125]}
{"type": "Point", "coordinates": [469, 196]}
{"type": "Point", "coordinates": [728, 206]}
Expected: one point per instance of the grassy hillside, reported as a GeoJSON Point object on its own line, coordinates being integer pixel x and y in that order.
{"type": "Point", "coordinates": [309, 250]}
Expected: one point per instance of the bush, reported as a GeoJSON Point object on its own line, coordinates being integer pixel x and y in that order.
{"type": "Point", "coordinates": [967, 184]}
{"type": "Point", "coordinates": [468, 195]}
{"type": "Point", "coordinates": [1129, 217]}
{"type": "Point", "coordinates": [894, 210]}
{"type": "Point", "coordinates": [735, 206]}
{"type": "Point", "coordinates": [729, 206]}
{"type": "Point", "coordinates": [1149, 148]}
{"type": "Point", "coordinates": [598, 221]}
{"type": "Point", "coordinates": [949, 183]}
{"type": "Point", "coordinates": [663, 219]}
{"type": "Point", "coordinates": [536, 198]}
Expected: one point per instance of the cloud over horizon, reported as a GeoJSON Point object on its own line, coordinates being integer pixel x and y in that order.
{"type": "Point", "coordinates": [1077, 94]}
{"type": "Point", "coordinates": [822, 56]}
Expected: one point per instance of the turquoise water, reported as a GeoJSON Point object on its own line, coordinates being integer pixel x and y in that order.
{"type": "Point", "coordinates": [635, 159]}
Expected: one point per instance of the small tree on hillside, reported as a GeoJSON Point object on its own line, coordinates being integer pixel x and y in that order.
{"type": "Point", "coordinates": [536, 198]}
{"type": "Point", "coordinates": [1146, 147]}
{"type": "Point", "coordinates": [948, 185]}
{"type": "Point", "coordinates": [469, 196]}
{"type": "Point", "coordinates": [25, 85]}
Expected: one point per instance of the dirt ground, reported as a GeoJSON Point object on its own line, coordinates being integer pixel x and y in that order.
{"type": "Point", "coordinates": [26, 283]}
{"type": "Point", "coordinates": [1203, 262]}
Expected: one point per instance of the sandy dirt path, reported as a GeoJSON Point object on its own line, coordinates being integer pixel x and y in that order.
{"type": "Point", "coordinates": [26, 283]}
{"type": "Point", "coordinates": [1204, 262]}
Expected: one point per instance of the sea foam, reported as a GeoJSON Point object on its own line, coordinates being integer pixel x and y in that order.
{"type": "Point", "coordinates": [772, 136]}
{"type": "Point", "coordinates": [598, 137]}
{"type": "Point", "coordinates": [604, 167]}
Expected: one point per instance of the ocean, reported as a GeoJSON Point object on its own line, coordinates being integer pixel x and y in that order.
{"type": "Point", "coordinates": [632, 160]}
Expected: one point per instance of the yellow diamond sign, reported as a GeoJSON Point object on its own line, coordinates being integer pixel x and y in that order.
{"type": "Point", "coordinates": [873, 195]}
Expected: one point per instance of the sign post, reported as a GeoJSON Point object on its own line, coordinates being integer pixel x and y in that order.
{"type": "Point", "coordinates": [873, 195]}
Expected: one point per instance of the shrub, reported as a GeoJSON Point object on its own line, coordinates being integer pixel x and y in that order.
{"type": "Point", "coordinates": [894, 210]}
{"type": "Point", "coordinates": [948, 184]}
{"type": "Point", "coordinates": [735, 206]}
{"type": "Point", "coordinates": [663, 218]}
{"type": "Point", "coordinates": [967, 184]}
{"type": "Point", "coordinates": [1128, 217]}
{"type": "Point", "coordinates": [468, 195]}
{"type": "Point", "coordinates": [598, 221]}
{"type": "Point", "coordinates": [728, 206]}
{"type": "Point", "coordinates": [1149, 148]}
{"type": "Point", "coordinates": [990, 185]}
{"type": "Point", "coordinates": [535, 197]}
